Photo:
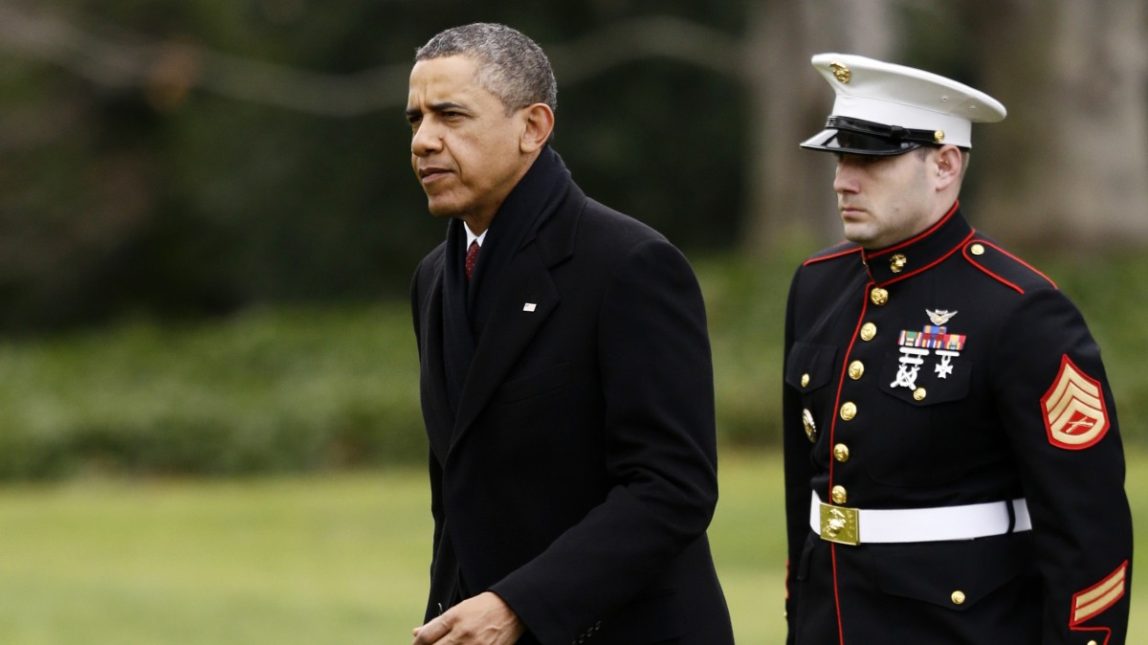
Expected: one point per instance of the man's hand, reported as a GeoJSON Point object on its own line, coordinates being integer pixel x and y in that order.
{"type": "Point", "coordinates": [482, 620]}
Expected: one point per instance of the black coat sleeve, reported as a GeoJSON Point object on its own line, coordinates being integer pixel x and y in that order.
{"type": "Point", "coordinates": [798, 469]}
{"type": "Point", "coordinates": [1057, 409]}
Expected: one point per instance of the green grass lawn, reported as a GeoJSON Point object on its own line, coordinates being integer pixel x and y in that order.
{"type": "Point", "coordinates": [322, 559]}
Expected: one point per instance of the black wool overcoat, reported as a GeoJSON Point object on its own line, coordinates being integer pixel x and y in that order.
{"type": "Point", "coordinates": [573, 466]}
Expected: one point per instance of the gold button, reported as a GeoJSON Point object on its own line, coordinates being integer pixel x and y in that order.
{"type": "Point", "coordinates": [841, 452]}
{"type": "Point", "coordinates": [977, 249]}
{"type": "Point", "coordinates": [805, 380]}
{"type": "Point", "coordinates": [868, 331]}
{"type": "Point", "coordinates": [919, 394]}
{"type": "Point", "coordinates": [848, 410]}
{"type": "Point", "coordinates": [856, 370]}
{"type": "Point", "coordinates": [938, 136]}
{"type": "Point", "coordinates": [839, 495]}
{"type": "Point", "coordinates": [1092, 643]}
{"type": "Point", "coordinates": [897, 263]}
{"type": "Point", "coordinates": [958, 597]}
{"type": "Point", "coordinates": [879, 296]}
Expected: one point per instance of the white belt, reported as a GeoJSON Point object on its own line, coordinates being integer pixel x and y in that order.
{"type": "Point", "coordinates": [860, 526]}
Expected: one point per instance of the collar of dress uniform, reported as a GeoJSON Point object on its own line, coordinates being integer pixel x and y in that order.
{"type": "Point", "coordinates": [920, 252]}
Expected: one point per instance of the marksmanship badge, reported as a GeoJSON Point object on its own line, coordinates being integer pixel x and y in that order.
{"type": "Point", "coordinates": [1075, 414]}
{"type": "Point", "coordinates": [916, 346]}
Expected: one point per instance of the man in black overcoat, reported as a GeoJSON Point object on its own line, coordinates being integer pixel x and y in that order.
{"type": "Point", "coordinates": [566, 380]}
{"type": "Point", "coordinates": [953, 463]}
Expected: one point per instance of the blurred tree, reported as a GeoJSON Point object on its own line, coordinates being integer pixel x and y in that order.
{"type": "Point", "coordinates": [249, 191]}
{"type": "Point", "coordinates": [198, 157]}
{"type": "Point", "coordinates": [791, 195]}
{"type": "Point", "coordinates": [1069, 166]}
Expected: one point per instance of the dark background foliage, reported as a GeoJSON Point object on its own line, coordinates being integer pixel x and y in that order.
{"type": "Point", "coordinates": [208, 218]}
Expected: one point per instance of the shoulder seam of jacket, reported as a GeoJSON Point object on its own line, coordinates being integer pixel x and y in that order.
{"type": "Point", "coordinates": [996, 276]}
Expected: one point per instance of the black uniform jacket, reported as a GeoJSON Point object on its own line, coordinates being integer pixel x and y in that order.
{"type": "Point", "coordinates": [572, 442]}
{"type": "Point", "coordinates": [944, 371]}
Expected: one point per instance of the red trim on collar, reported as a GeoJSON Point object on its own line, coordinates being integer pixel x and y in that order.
{"type": "Point", "coordinates": [920, 236]}
{"type": "Point", "coordinates": [831, 256]}
{"type": "Point", "coordinates": [933, 263]}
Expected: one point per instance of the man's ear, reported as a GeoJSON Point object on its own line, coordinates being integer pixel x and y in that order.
{"type": "Point", "coordinates": [539, 122]}
{"type": "Point", "coordinates": [949, 165]}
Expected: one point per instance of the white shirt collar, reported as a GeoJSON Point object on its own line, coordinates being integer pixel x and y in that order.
{"type": "Point", "coordinates": [471, 237]}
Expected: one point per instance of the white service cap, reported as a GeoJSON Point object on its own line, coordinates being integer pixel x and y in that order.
{"type": "Point", "coordinates": [887, 109]}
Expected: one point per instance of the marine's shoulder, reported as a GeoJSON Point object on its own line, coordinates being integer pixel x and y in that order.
{"type": "Point", "coordinates": [997, 263]}
{"type": "Point", "coordinates": [838, 251]}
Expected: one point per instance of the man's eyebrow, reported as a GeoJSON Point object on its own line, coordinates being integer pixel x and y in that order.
{"type": "Point", "coordinates": [442, 106]}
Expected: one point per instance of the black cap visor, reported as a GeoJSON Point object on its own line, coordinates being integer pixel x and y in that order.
{"type": "Point", "coordinates": [857, 137]}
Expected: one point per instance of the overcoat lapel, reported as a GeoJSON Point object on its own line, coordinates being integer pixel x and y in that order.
{"type": "Point", "coordinates": [522, 305]}
{"type": "Point", "coordinates": [436, 407]}
{"type": "Point", "coordinates": [513, 321]}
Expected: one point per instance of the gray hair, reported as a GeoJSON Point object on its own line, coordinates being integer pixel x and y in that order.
{"type": "Point", "coordinates": [510, 65]}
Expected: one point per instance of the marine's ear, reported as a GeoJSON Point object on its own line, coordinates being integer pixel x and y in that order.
{"type": "Point", "coordinates": [949, 163]}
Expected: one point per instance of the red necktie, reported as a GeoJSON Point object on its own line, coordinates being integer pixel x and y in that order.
{"type": "Point", "coordinates": [471, 258]}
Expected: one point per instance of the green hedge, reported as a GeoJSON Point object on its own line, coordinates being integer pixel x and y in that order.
{"type": "Point", "coordinates": [295, 390]}
{"type": "Point", "coordinates": [264, 391]}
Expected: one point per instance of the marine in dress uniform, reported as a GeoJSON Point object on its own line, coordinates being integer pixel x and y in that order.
{"type": "Point", "coordinates": [953, 464]}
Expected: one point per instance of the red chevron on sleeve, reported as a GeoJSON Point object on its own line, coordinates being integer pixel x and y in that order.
{"type": "Point", "coordinates": [1075, 414]}
{"type": "Point", "coordinates": [1095, 600]}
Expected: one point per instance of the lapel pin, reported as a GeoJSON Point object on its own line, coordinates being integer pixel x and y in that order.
{"type": "Point", "coordinates": [530, 306]}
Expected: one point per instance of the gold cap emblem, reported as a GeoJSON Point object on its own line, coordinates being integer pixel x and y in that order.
{"type": "Point", "coordinates": [841, 73]}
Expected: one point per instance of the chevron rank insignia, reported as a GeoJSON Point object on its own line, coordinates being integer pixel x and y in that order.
{"type": "Point", "coordinates": [1075, 414]}
{"type": "Point", "coordinates": [1095, 600]}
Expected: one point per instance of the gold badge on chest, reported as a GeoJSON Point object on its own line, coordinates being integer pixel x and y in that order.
{"type": "Point", "coordinates": [809, 425]}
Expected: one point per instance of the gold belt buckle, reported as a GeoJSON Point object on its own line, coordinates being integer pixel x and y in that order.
{"type": "Point", "coordinates": [840, 524]}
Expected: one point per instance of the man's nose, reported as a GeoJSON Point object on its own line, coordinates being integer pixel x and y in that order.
{"type": "Point", "coordinates": [844, 179]}
{"type": "Point", "coordinates": [425, 139]}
